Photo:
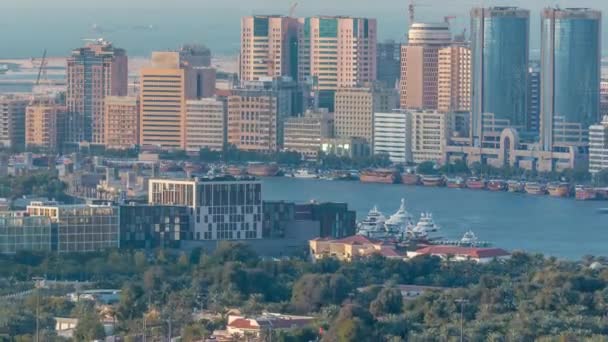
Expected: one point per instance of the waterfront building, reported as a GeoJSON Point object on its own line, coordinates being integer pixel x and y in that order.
{"type": "Point", "coordinates": [534, 99]}
{"type": "Point", "coordinates": [43, 125]}
{"type": "Point", "coordinates": [24, 233]}
{"type": "Point", "coordinates": [598, 146]}
{"type": "Point", "coordinates": [336, 52]}
{"type": "Point", "coordinates": [12, 120]}
{"type": "Point", "coordinates": [459, 253]}
{"type": "Point", "coordinates": [388, 63]}
{"type": "Point", "coordinates": [257, 111]}
{"type": "Point", "coordinates": [206, 124]}
{"type": "Point", "coordinates": [352, 147]}
{"type": "Point", "coordinates": [154, 226]}
{"type": "Point", "coordinates": [420, 62]}
{"type": "Point", "coordinates": [163, 102]}
{"type": "Point", "coordinates": [351, 248]}
{"type": "Point", "coordinates": [499, 69]}
{"type": "Point", "coordinates": [355, 108]}
{"type": "Point", "coordinates": [223, 208]}
{"type": "Point", "coordinates": [454, 78]}
{"type": "Point", "coordinates": [335, 219]}
{"type": "Point", "coordinates": [122, 122]}
{"type": "Point", "coordinates": [80, 227]}
{"type": "Point", "coordinates": [570, 69]}
{"type": "Point", "coordinates": [269, 45]}
{"type": "Point", "coordinates": [430, 131]}
{"type": "Point", "coordinates": [94, 71]}
{"type": "Point", "coordinates": [304, 134]}
{"type": "Point", "coordinates": [393, 135]}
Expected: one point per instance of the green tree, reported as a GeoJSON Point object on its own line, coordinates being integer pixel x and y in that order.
{"type": "Point", "coordinates": [427, 168]}
{"type": "Point", "coordinates": [389, 301]}
{"type": "Point", "coordinates": [89, 326]}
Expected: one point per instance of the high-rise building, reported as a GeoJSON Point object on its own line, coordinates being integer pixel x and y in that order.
{"type": "Point", "coordinates": [388, 63]}
{"type": "Point", "coordinates": [195, 55]}
{"type": "Point", "coordinates": [430, 131]}
{"type": "Point", "coordinates": [122, 122]}
{"type": "Point", "coordinates": [93, 72]}
{"type": "Point", "coordinates": [268, 47]}
{"type": "Point", "coordinates": [43, 125]}
{"type": "Point", "coordinates": [12, 120]}
{"type": "Point", "coordinates": [222, 208]}
{"type": "Point", "coordinates": [604, 97]}
{"type": "Point", "coordinates": [393, 135]}
{"type": "Point", "coordinates": [336, 52]}
{"type": "Point", "coordinates": [598, 146]}
{"type": "Point", "coordinates": [355, 108]}
{"type": "Point", "coordinates": [534, 99]}
{"type": "Point", "coordinates": [163, 102]}
{"type": "Point", "coordinates": [570, 71]}
{"type": "Point", "coordinates": [420, 62]}
{"type": "Point", "coordinates": [499, 62]}
{"type": "Point", "coordinates": [206, 124]}
{"type": "Point", "coordinates": [454, 78]}
{"type": "Point", "coordinates": [257, 111]}
{"type": "Point", "coordinates": [304, 134]}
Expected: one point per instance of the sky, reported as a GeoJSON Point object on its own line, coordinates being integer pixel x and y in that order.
{"type": "Point", "coordinates": [29, 26]}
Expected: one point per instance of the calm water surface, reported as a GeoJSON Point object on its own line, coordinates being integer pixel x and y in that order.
{"type": "Point", "coordinates": [559, 227]}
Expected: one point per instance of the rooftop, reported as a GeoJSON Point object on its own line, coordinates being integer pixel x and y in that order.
{"type": "Point", "coordinates": [472, 252]}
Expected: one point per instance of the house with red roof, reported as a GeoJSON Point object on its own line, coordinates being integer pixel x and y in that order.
{"type": "Point", "coordinates": [460, 253]}
{"type": "Point", "coordinates": [242, 326]}
{"type": "Point", "coordinates": [352, 247]}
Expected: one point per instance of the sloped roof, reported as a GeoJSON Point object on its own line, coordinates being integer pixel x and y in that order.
{"type": "Point", "coordinates": [472, 252]}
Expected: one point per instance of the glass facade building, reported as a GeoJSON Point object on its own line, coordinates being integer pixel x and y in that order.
{"type": "Point", "coordinates": [499, 57]}
{"type": "Point", "coordinates": [152, 226]}
{"type": "Point", "coordinates": [570, 69]}
{"type": "Point", "coordinates": [24, 233]}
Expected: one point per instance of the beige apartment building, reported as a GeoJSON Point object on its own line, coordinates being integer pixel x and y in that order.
{"type": "Point", "coordinates": [43, 125]}
{"type": "Point", "coordinates": [93, 72]}
{"type": "Point", "coordinates": [122, 122]}
{"type": "Point", "coordinates": [337, 52]}
{"type": "Point", "coordinates": [205, 124]}
{"type": "Point", "coordinates": [355, 108]}
{"type": "Point", "coordinates": [454, 79]}
{"type": "Point", "coordinates": [430, 130]}
{"type": "Point", "coordinates": [304, 134]}
{"type": "Point", "coordinates": [12, 120]}
{"type": "Point", "coordinates": [163, 102]}
{"type": "Point", "coordinates": [267, 47]}
{"type": "Point", "coordinates": [253, 121]}
{"type": "Point", "coordinates": [419, 64]}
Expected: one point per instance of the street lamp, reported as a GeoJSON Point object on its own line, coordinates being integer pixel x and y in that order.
{"type": "Point", "coordinates": [462, 302]}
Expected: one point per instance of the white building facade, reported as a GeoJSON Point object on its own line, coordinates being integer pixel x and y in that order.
{"type": "Point", "coordinates": [393, 135]}
{"type": "Point", "coordinates": [429, 136]}
{"type": "Point", "coordinates": [598, 146]}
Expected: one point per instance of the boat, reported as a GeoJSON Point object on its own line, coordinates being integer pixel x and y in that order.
{"type": "Point", "coordinates": [373, 225]}
{"type": "Point", "coordinates": [3, 69]}
{"type": "Point", "coordinates": [305, 174]}
{"type": "Point", "coordinates": [262, 169]}
{"type": "Point", "coordinates": [396, 224]}
{"type": "Point", "coordinates": [469, 239]}
{"type": "Point", "coordinates": [475, 183]}
{"type": "Point", "coordinates": [534, 188]}
{"type": "Point", "coordinates": [585, 193]}
{"type": "Point", "coordinates": [234, 170]}
{"type": "Point", "coordinates": [455, 183]}
{"type": "Point", "coordinates": [408, 178]}
{"type": "Point", "coordinates": [385, 176]}
{"type": "Point", "coordinates": [516, 186]}
{"type": "Point", "coordinates": [421, 230]}
{"type": "Point", "coordinates": [497, 185]}
{"type": "Point", "coordinates": [432, 180]}
{"type": "Point", "coordinates": [558, 189]}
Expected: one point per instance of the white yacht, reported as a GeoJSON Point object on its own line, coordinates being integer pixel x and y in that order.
{"type": "Point", "coordinates": [373, 225]}
{"type": "Point", "coordinates": [3, 69]}
{"type": "Point", "coordinates": [424, 226]}
{"type": "Point", "coordinates": [397, 223]}
{"type": "Point", "coordinates": [305, 174]}
{"type": "Point", "coordinates": [469, 239]}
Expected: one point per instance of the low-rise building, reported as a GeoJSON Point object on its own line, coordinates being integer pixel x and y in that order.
{"type": "Point", "coordinates": [335, 219]}
{"type": "Point", "coordinates": [393, 135]}
{"type": "Point", "coordinates": [458, 253]}
{"type": "Point", "coordinates": [19, 232]}
{"type": "Point", "coordinates": [350, 248]}
{"type": "Point", "coordinates": [43, 125]}
{"type": "Point", "coordinates": [242, 326]}
{"type": "Point", "coordinates": [598, 146]}
{"type": "Point", "coordinates": [304, 134]}
{"type": "Point", "coordinates": [346, 147]}
{"type": "Point", "coordinates": [153, 226]}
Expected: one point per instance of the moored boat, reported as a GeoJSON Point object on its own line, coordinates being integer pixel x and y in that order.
{"type": "Point", "coordinates": [584, 193]}
{"type": "Point", "coordinates": [432, 180]}
{"type": "Point", "coordinates": [373, 225]}
{"type": "Point", "coordinates": [475, 183]}
{"type": "Point", "coordinates": [305, 174]}
{"type": "Point", "coordinates": [455, 183]}
{"type": "Point", "coordinates": [558, 189]}
{"type": "Point", "coordinates": [234, 170]}
{"type": "Point", "coordinates": [534, 188]}
{"type": "Point", "coordinates": [515, 186]}
{"type": "Point", "coordinates": [410, 178]}
{"type": "Point", "coordinates": [385, 176]}
{"type": "Point", "coordinates": [262, 169]}
{"type": "Point", "coordinates": [497, 185]}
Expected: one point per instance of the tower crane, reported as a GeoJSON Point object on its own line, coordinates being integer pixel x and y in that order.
{"type": "Point", "coordinates": [292, 9]}
{"type": "Point", "coordinates": [42, 68]}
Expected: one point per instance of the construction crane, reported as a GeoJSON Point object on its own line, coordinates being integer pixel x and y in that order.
{"type": "Point", "coordinates": [411, 10]}
{"type": "Point", "coordinates": [448, 18]}
{"type": "Point", "coordinates": [42, 68]}
{"type": "Point", "coordinates": [292, 9]}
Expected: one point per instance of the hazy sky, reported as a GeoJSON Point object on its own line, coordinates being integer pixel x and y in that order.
{"type": "Point", "coordinates": [29, 26]}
